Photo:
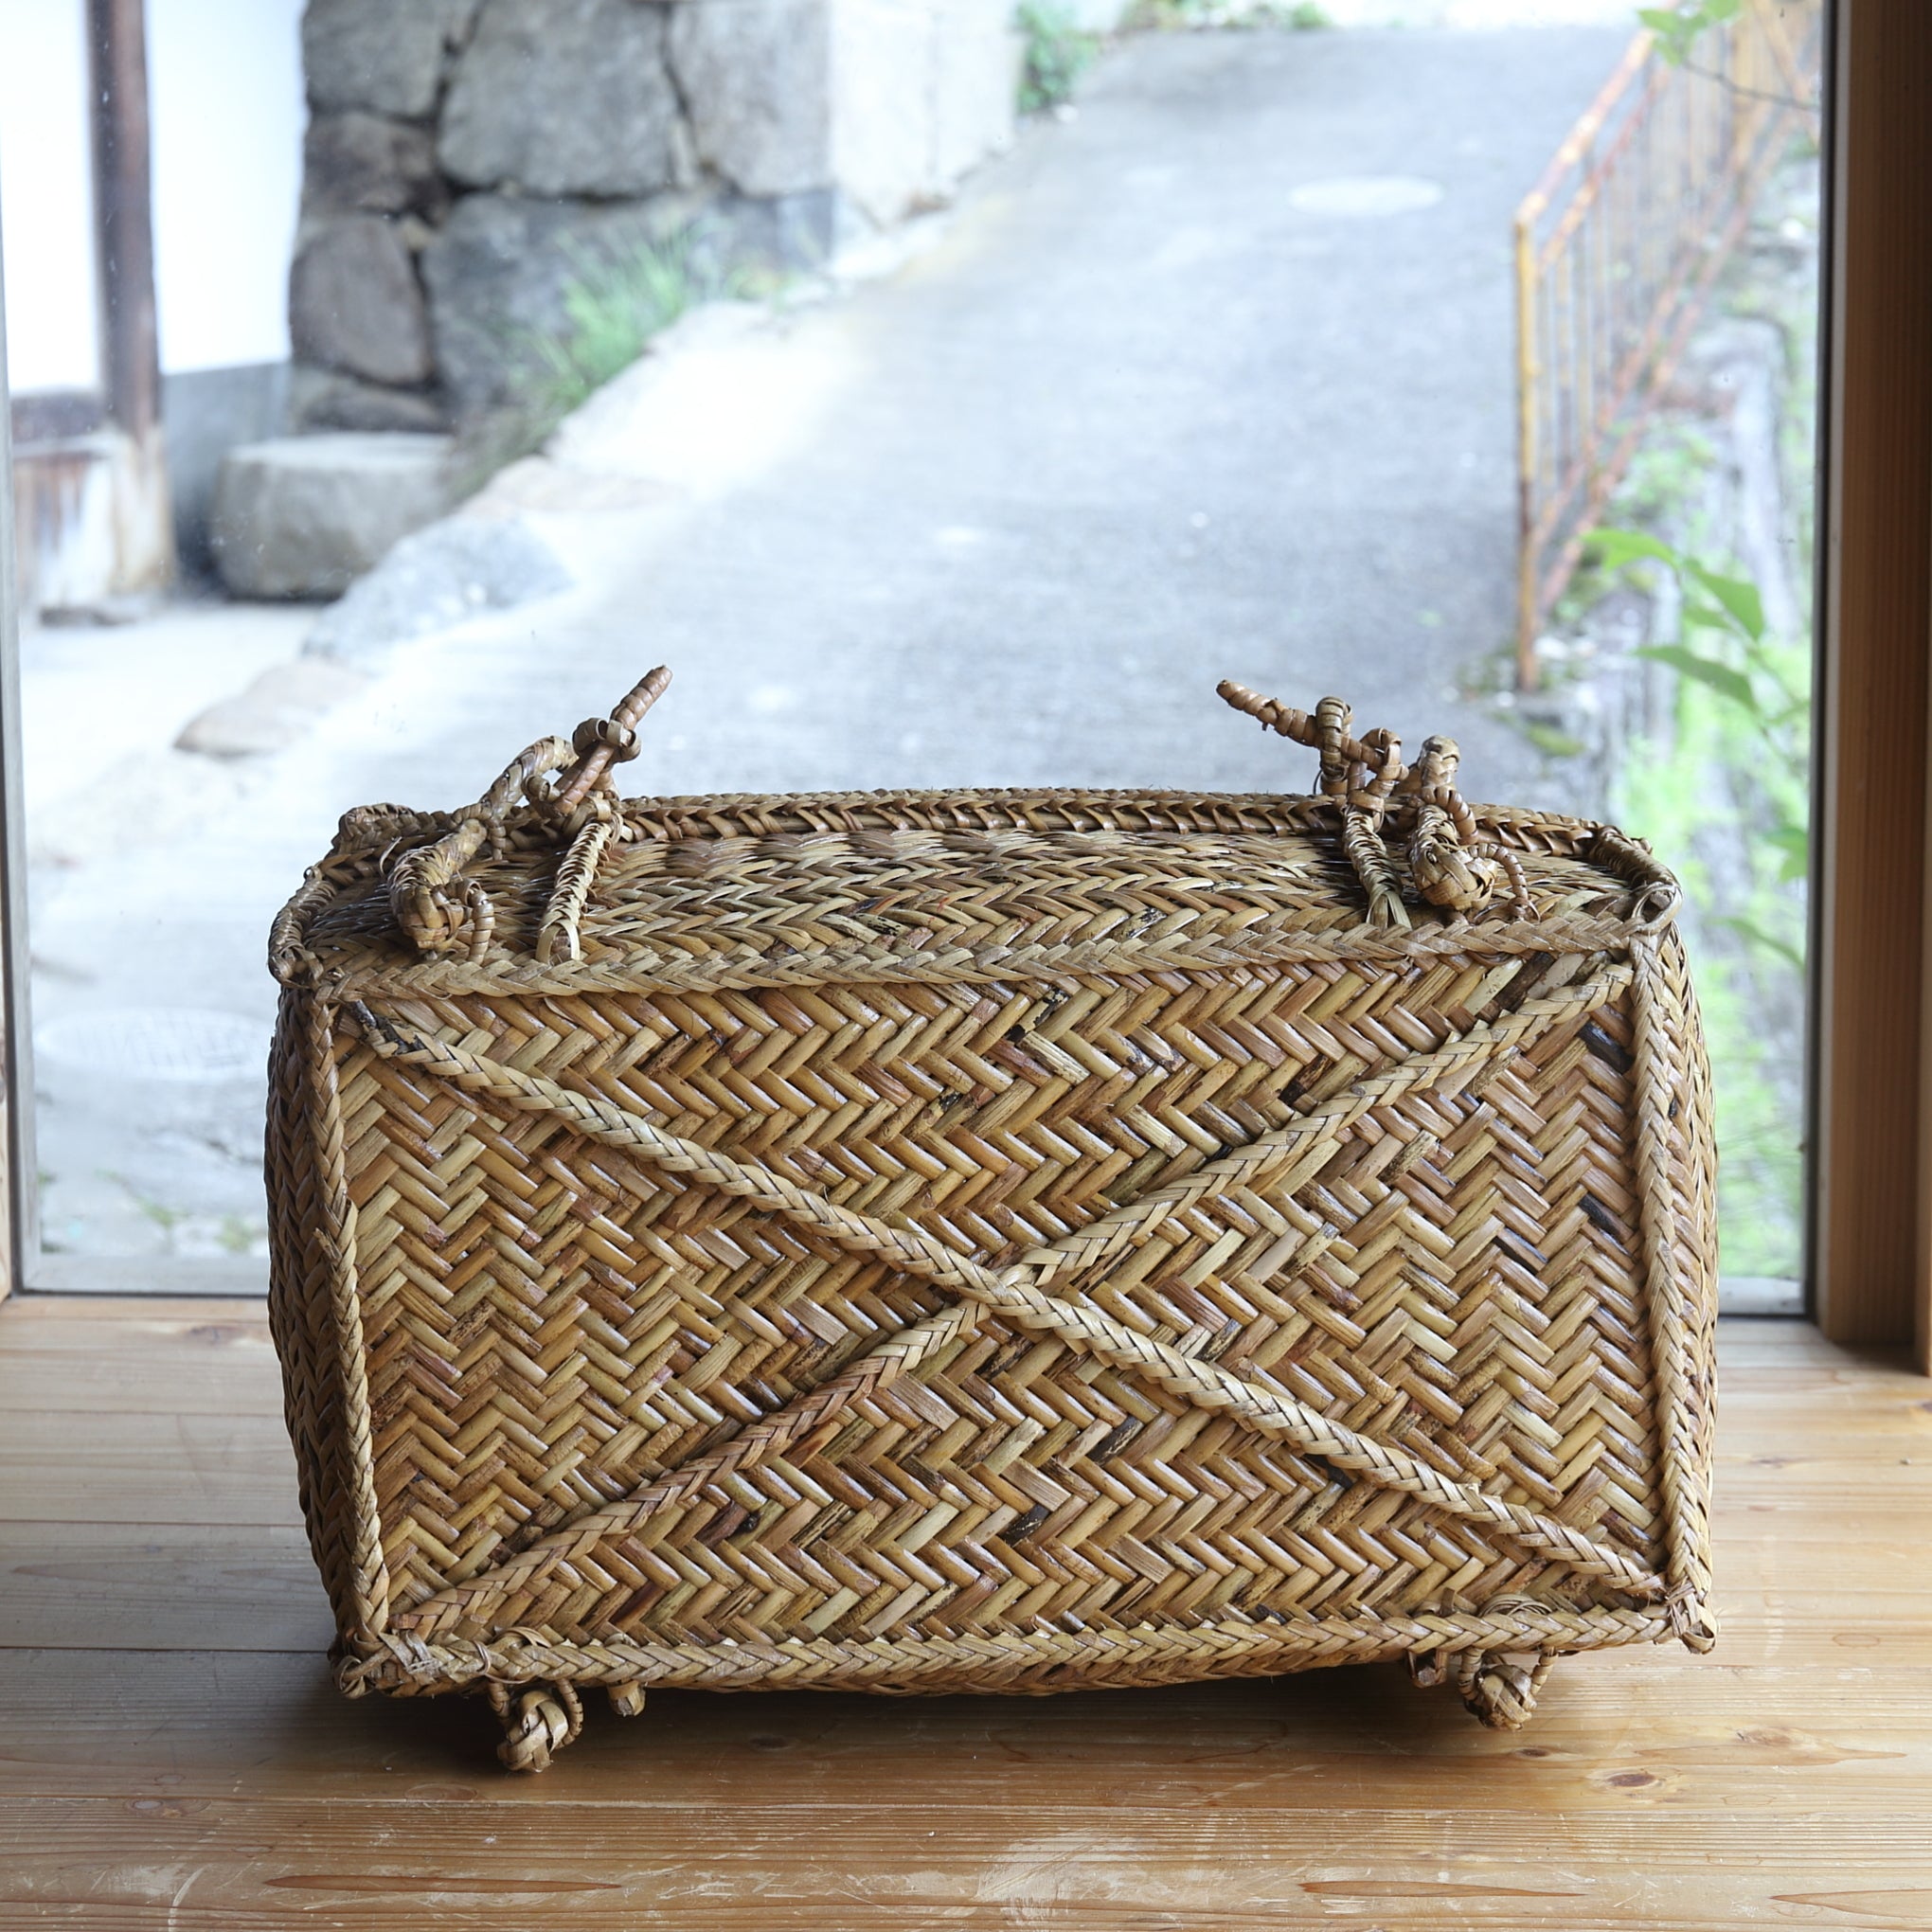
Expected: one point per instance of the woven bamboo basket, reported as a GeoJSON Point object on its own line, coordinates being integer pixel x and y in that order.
{"type": "Point", "coordinates": [989, 1240]}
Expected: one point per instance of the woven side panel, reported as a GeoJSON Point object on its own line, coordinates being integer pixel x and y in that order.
{"type": "Point", "coordinates": [300, 1313]}
{"type": "Point", "coordinates": [1685, 1295]}
{"type": "Point", "coordinates": [1007, 1489]}
{"type": "Point", "coordinates": [547, 1327]}
{"type": "Point", "coordinates": [1011, 1482]}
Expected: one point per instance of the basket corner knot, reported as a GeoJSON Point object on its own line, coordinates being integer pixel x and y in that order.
{"type": "Point", "coordinates": [1451, 866]}
{"type": "Point", "coordinates": [553, 791]}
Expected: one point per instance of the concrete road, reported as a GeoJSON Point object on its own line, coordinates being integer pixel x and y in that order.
{"type": "Point", "coordinates": [1142, 421]}
{"type": "Point", "coordinates": [1213, 379]}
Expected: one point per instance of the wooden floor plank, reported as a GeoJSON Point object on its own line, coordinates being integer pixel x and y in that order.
{"type": "Point", "coordinates": [68, 1466]}
{"type": "Point", "coordinates": [375, 1863]}
{"type": "Point", "coordinates": [175, 1756]}
{"type": "Point", "coordinates": [118, 1586]}
{"type": "Point", "coordinates": [271, 1724]}
{"type": "Point", "coordinates": [207, 1357]}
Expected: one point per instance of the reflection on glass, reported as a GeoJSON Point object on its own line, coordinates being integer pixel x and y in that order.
{"type": "Point", "coordinates": [942, 431]}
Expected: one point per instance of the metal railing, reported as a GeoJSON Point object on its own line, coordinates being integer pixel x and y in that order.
{"type": "Point", "coordinates": [1616, 248]}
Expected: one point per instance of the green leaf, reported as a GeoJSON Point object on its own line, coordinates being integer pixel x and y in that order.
{"type": "Point", "coordinates": [1757, 935]}
{"type": "Point", "coordinates": [1616, 548]}
{"type": "Point", "coordinates": [1739, 597]}
{"type": "Point", "coordinates": [1791, 837]}
{"type": "Point", "coordinates": [1671, 38]}
{"type": "Point", "coordinates": [1710, 617]}
{"type": "Point", "coordinates": [1794, 841]}
{"type": "Point", "coordinates": [1725, 679]}
{"type": "Point", "coordinates": [1676, 28]}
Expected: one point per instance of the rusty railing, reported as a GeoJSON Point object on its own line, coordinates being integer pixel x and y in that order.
{"type": "Point", "coordinates": [1616, 248]}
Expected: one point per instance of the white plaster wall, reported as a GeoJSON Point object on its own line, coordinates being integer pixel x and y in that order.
{"type": "Point", "coordinates": [46, 196]}
{"type": "Point", "coordinates": [224, 86]}
{"type": "Point", "coordinates": [921, 91]}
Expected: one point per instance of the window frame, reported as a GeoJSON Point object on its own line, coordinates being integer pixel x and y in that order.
{"type": "Point", "coordinates": [1869, 1232]}
{"type": "Point", "coordinates": [1868, 1217]}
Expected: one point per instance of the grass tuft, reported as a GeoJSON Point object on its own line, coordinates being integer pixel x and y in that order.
{"type": "Point", "coordinates": [1058, 52]}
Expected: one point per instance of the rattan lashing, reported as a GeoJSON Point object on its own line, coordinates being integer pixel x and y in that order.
{"type": "Point", "coordinates": [989, 1240]}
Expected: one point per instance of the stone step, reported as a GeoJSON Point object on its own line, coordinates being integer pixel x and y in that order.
{"type": "Point", "coordinates": [304, 516]}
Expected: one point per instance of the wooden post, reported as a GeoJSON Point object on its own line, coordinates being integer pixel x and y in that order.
{"type": "Point", "coordinates": [130, 335]}
{"type": "Point", "coordinates": [1870, 1252]}
{"type": "Point", "coordinates": [124, 226]}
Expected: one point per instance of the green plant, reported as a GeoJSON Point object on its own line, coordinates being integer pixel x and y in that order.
{"type": "Point", "coordinates": [236, 1236]}
{"type": "Point", "coordinates": [613, 306]}
{"type": "Point", "coordinates": [1676, 28]}
{"type": "Point", "coordinates": [1057, 52]}
{"type": "Point", "coordinates": [1308, 18]}
{"type": "Point", "coordinates": [1728, 809]}
{"type": "Point", "coordinates": [1765, 687]}
{"type": "Point", "coordinates": [1548, 738]}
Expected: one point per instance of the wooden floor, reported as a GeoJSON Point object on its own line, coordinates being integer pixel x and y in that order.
{"type": "Point", "coordinates": [172, 1754]}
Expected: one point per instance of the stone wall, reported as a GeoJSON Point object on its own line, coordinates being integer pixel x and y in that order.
{"type": "Point", "coordinates": [467, 159]}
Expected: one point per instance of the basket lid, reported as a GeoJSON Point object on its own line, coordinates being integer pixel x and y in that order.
{"type": "Point", "coordinates": [552, 882]}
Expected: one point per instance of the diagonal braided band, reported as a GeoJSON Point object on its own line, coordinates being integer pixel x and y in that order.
{"type": "Point", "coordinates": [1311, 1137]}
{"type": "Point", "coordinates": [1017, 1292]}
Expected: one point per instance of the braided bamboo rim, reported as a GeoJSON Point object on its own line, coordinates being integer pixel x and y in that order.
{"type": "Point", "coordinates": [369, 1569]}
{"type": "Point", "coordinates": [1653, 898]}
{"type": "Point", "coordinates": [403, 1663]}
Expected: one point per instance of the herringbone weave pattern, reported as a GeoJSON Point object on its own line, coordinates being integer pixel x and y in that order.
{"type": "Point", "coordinates": [990, 1240]}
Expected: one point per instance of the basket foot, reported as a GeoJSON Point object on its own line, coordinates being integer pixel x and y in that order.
{"type": "Point", "coordinates": [627, 1700]}
{"type": "Point", "coordinates": [537, 1723]}
{"type": "Point", "coordinates": [1498, 1687]}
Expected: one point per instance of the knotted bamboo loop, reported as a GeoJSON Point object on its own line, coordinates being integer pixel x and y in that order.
{"type": "Point", "coordinates": [1499, 1686]}
{"type": "Point", "coordinates": [537, 1723]}
{"type": "Point", "coordinates": [1450, 865]}
{"type": "Point", "coordinates": [551, 791]}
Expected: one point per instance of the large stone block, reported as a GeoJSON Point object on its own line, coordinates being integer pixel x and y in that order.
{"type": "Point", "coordinates": [360, 163]}
{"type": "Point", "coordinates": [881, 113]}
{"type": "Point", "coordinates": [564, 97]}
{"type": "Point", "coordinates": [326, 399]}
{"type": "Point", "coordinates": [755, 79]}
{"type": "Point", "coordinates": [304, 516]}
{"type": "Point", "coordinates": [355, 303]}
{"type": "Point", "coordinates": [386, 56]}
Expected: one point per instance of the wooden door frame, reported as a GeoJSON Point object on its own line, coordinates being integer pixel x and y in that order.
{"type": "Point", "coordinates": [1872, 1239]}
{"type": "Point", "coordinates": [124, 216]}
